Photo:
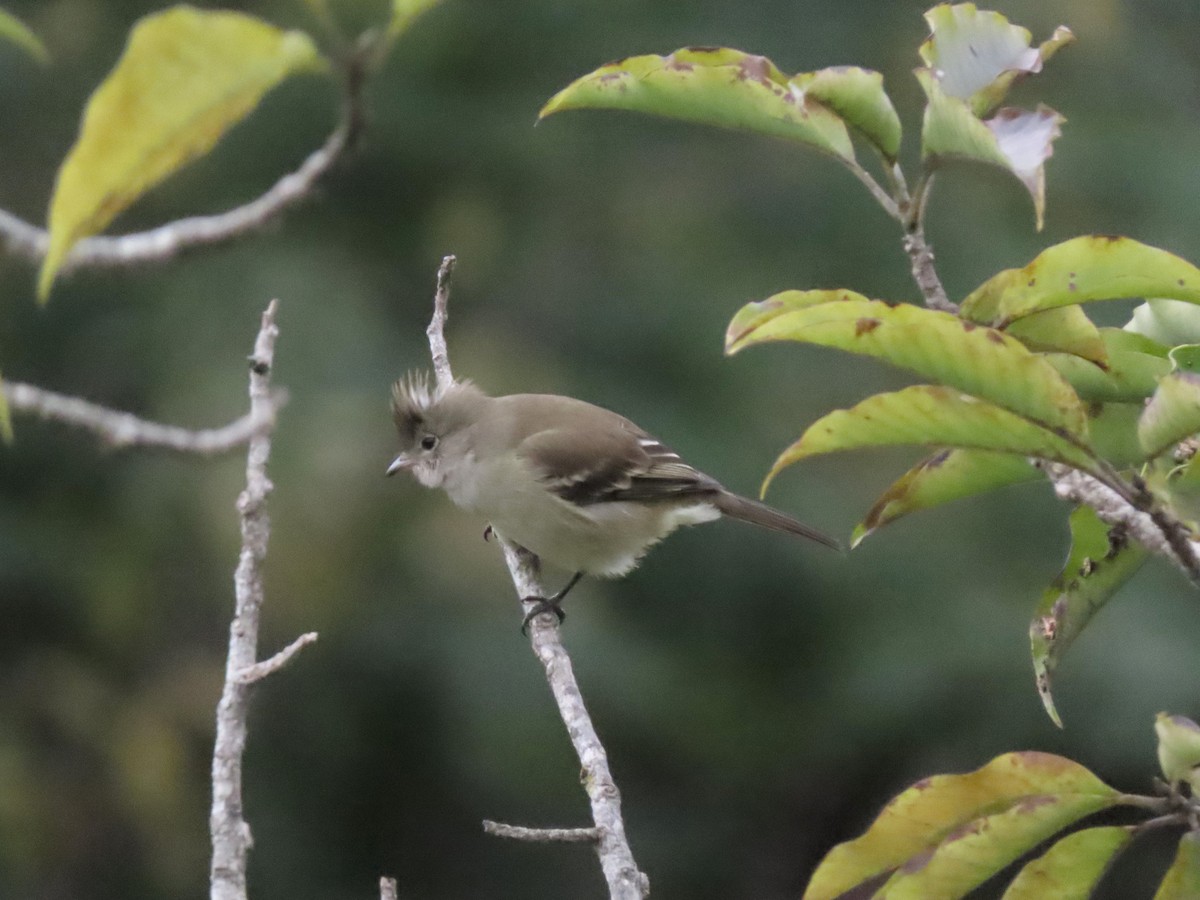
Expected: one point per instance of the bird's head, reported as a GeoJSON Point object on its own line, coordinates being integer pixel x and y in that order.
{"type": "Point", "coordinates": [426, 418]}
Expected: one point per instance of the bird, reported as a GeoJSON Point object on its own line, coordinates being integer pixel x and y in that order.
{"type": "Point", "coordinates": [579, 486]}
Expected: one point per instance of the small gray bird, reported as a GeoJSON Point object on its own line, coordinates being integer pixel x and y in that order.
{"type": "Point", "coordinates": [579, 486]}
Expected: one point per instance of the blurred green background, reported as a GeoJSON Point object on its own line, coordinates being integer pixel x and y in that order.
{"type": "Point", "coordinates": [760, 699]}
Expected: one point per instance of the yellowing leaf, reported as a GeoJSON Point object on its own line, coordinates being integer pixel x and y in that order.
{"type": "Point", "coordinates": [404, 12]}
{"type": "Point", "coordinates": [711, 86]}
{"type": "Point", "coordinates": [857, 95]}
{"type": "Point", "coordinates": [1092, 267]}
{"type": "Point", "coordinates": [979, 361]}
{"type": "Point", "coordinates": [1071, 869]}
{"type": "Point", "coordinates": [945, 476]}
{"type": "Point", "coordinates": [16, 32]}
{"type": "Point", "coordinates": [948, 833]}
{"type": "Point", "coordinates": [1099, 563]}
{"type": "Point", "coordinates": [1178, 748]}
{"type": "Point", "coordinates": [184, 79]}
{"type": "Point", "coordinates": [937, 416]}
{"type": "Point", "coordinates": [1182, 881]}
{"type": "Point", "coordinates": [1066, 329]}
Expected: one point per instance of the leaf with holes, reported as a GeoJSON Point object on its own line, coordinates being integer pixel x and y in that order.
{"type": "Point", "coordinates": [857, 95]}
{"type": "Point", "coordinates": [949, 833]}
{"type": "Point", "coordinates": [185, 78]}
{"type": "Point", "coordinates": [16, 32]}
{"type": "Point", "coordinates": [1100, 562]}
{"type": "Point", "coordinates": [1182, 881]}
{"type": "Point", "coordinates": [1072, 867]}
{"type": "Point", "coordinates": [934, 416]}
{"type": "Point", "coordinates": [712, 86]}
{"type": "Point", "coordinates": [979, 361]}
{"type": "Point", "coordinates": [1131, 373]}
{"type": "Point", "coordinates": [978, 54]}
{"type": "Point", "coordinates": [1016, 140]}
{"type": "Point", "coordinates": [1083, 269]}
{"type": "Point", "coordinates": [945, 476]}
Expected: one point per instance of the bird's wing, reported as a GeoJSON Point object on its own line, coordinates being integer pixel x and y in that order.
{"type": "Point", "coordinates": [621, 464]}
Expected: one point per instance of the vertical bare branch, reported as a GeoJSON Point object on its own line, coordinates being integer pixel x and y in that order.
{"type": "Point", "coordinates": [625, 880]}
{"type": "Point", "coordinates": [230, 833]}
{"type": "Point", "coordinates": [436, 332]}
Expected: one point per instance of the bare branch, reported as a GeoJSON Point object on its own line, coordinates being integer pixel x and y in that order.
{"type": "Point", "coordinates": [261, 670]}
{"type": "Point", "coordinates": [625, 880]}
{"type": "Point", "coordinates": [920, 255]}
{"type": "Point", "coordinates": [122, 429]}
{"type": "Point", "coordinates": [388, 889]}
{"type": "Point", "coordinates": [22, 239]}
{"type": "Point", "coordinates": [436, 332]}
{"type": "Point", "coordinates": [542, 835]}
{"type": "Point", "coordinates": [1137, 513]}
{"type": "Point", "coordinates": [231, 838]}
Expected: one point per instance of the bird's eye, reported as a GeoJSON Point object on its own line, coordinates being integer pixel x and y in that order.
{"type": "Point", "coordinates": [429, 442]}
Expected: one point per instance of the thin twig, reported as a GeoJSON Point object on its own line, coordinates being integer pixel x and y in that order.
{"type": "Point", "coordinates": [436, 332]}
{"type": "Point", "coordinates": [882, 197]}
{"type": "Point", "coordinates": [23, 239]}
{"type": "Point", "coordinates": [231, 839]}
{"type": "Point", "coordinates": [625, 880]}
{"type": "Point", "coordinates": [388, 889]}
{"type": "Point", "coordinates": [542, 835]}
{"type": "Point", "coordinates": [261, 670]}
{"type": "Point", "coordinates": [122, 429]}
{"type": "Point", "coordinates": [920, 255]}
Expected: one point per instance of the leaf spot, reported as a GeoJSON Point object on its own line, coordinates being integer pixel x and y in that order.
{"type": "Point", "coordinates": [865, 326]}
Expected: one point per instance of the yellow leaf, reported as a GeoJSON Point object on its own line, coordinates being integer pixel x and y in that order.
{"type": "Point", "coordinates": [185, 78]}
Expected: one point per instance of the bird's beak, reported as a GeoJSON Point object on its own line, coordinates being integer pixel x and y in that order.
{"type": "Point", "coordinates": [400, 463]}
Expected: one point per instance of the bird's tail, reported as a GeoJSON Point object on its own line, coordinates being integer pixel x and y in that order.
{"type": "Point", "coordinates": [746, 510]}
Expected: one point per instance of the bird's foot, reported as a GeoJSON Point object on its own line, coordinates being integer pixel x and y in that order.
{"type": "Point", "coordinates": [487, 534]}
{"type": "Point", "coordinates": [541, 605]}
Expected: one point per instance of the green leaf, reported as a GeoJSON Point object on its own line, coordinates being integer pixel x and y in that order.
{"type": "Point", "coordinates": [1113, 431]}
{"type": "Point", "coordinates": [1172, 414]}
{"type": "Point", "coordinates": [936, 416]}
{"type": "Point", "coordinates": [979, 361]}
{"type": "Point", "coordinates": [1100, 561]}
{"type": "Point", "coordinates": [758, 312]}
{"type": "Point", "coordinates": [979, 54]}
{"type": "Point", "coordinates": [1131, 374]}
{"type": "Point", "coordinates": [1178, 748]}
{"type": "Point", "coordinates": [6, 429]}
{"type": "Point", "coordinates": [949, 833]}
{"type": "Point", "coordinates": [1066, 329]}
{"type": "Point", "coordinates": [1092, 267]}
{"type": "Point", "coordinates": [857, 95]}
{"type": "Point", "coordinates": [17, 32]}
{"type": "Point", "coordinates": [1072, 867]}
{"type": "Point", "coordinates": [711, 86]}
{"type": "Point", "coordinates": [1016, 140]}
{"type": "Point", "coordinates": [1182, 881]}
{"type": "Point", "coordinates": [945, 476]}
{"type": "Point", "coordinates": [184, 79]}
{"type": "Point", "coordinates": [1169, 322]}
{"type": "Point", "coordinates": [404, 12]}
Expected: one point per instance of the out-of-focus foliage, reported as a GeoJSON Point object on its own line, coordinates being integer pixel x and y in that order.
{"type": "Point", "coordinates": [185, 78]}
{"type": "Point", "coordinates": [757, 699]}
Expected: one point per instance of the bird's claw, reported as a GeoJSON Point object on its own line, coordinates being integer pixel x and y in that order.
{"type": "Point", "coordinates": [541, 605]}
{"type": "Point", "coordinates": [487, 533]}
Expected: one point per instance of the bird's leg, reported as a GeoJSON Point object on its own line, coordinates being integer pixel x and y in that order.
{"type": "Point", "coordinates": [548, 604]}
